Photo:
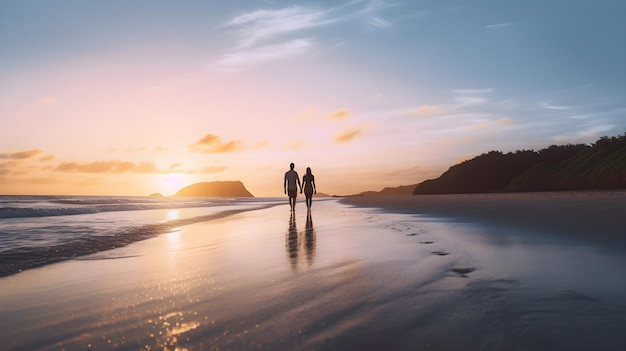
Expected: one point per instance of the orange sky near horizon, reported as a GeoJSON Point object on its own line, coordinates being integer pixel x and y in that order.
{"type": "Point", "coordinates": [122, 99]}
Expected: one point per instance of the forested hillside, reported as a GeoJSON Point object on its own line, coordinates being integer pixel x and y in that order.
{"type": "Point", "coordinates": [566, 167]}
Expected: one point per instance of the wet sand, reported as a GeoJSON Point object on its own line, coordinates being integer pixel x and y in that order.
{"type": "Point", "coordinates": [594, 215]}
{"type": "Point", "coordinates": [342, 278]}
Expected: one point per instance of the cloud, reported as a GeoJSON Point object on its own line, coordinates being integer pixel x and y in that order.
{"type": "Point", "coordinates": [473, 91]}
{"type": "Point", "coordinates": [114, 166]}
{"type": "Point", "coordinates": [295, 145]}
{"type": "Point", "coordinates": [174, 166]}
{"type": "Point", "coordinates": [20, 155]}
{"type": "Point", "coordinates": [265, 35]}
{"type": "Point", "coordinates": [470, 100]}
{"type": "Point", "coordinates": [212, 144]}
{"type": "Point", "coordinates": [379, 22]}
{"type": "Point", "coordinates": [146, 167]}
{"type": "Point", "coordinates": [213, 169]}
{"type": "Point", "coordinates": [7, 167]}
{"type": "Point", "coordinates": [549, 106]}
{"type": "Point", "coordinates": [426, 110]}
{"type": "Point", "coordinates": [236, 60]}
{"type": "Point", "coordinates": [45, 158]}
{"type": "Point", "coordinates": [261, 145]}
{"type": "Point", "coordinates": [348, 135]}
{"type": "Point", "coordinates": [499, 25]}
{"type": "Point", "coordinates": [340, 114]}
{"type": "Point", "coordinates": [258, 25]}
{"type": "Point", "coordinates": [471, 96]}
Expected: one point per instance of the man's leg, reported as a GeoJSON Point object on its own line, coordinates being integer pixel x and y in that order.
{"type": "Point", "coordinates": [292, 200]}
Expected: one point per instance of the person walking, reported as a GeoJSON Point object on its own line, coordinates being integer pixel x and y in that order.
{"type": "Point", "coordinates": [309, 187]}
{"type": "Point", "coordinates": [291, 184]}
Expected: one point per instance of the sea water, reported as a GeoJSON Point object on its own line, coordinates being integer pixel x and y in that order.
{"type": "Point", "coordinates": [38, 230]}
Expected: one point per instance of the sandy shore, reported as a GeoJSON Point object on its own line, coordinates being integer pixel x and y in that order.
{"type": "Point", "coordinates": [342, 278]}
{"type": "Point", "coordinates": [595, 215]}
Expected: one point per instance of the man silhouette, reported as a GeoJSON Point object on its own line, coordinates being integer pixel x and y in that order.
{"type": "Point", "coordinates": [291, 184]}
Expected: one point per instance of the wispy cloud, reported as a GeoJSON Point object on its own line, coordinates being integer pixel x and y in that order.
{"type": "Point", "coordinates": [470, 100]}
{"type": "Point", "coordinates": [426, 110]}
{"type": "Point", "coordinates": [261, 145]}
{"type": "Point", "coordinates": [379, 22]}
{"type": "Point", "coordinates": [45, 158]}
{"type": "Point", "coordinates": [213, 144]}
{"type": "Point", "coordinates": [259, 25]}
{"type": "Point", "coordinates": [499, 25]}
{"type": "Point", "coordinates": [20, 155]}
{"type": "Point", "coordinates": [471, 96]}
{"type": "Point", "coordinates": [113, 166]}
{"type": "Point", "coordinates": [549, 106]}
{"type": "Point", "coordinates": [348, 135]}
{"type": "Point", "coordinates": [236, 60]}
{"type": "Point", "coordinates": [340, 114]}
{"type": "Point", "coordinates": [174, 167]}
{"type": "Point", "coordinates": [265, 35]}
{"type": "Point", "coordinates": [295, 145]}
{"type": "Point", "coordinates": [473, 91]}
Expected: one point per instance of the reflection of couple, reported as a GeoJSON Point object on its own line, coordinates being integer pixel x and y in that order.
{"type": "Point", "coordinates": [292, 182]}
{"type": "Point", "coordinates": [294, 240]}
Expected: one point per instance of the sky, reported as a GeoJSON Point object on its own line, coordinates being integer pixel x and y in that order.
{"type": "Point", "coordinates": [141, 97]}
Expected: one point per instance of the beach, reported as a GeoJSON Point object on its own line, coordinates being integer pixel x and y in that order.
{"type": "Point", "coordinates": [541, 271]}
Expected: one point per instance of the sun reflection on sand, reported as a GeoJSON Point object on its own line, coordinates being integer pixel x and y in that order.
{"type": "Point", "coordinates": [174, 240]}
{"type": "Point", "coordinates": [173, 327]}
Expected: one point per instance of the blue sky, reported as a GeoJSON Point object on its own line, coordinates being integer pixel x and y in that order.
{"type": "Point", "coordinates": [121, 97]}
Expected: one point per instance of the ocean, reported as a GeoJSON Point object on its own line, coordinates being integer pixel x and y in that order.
{"type": "Point", "coordinates": [40, 230]}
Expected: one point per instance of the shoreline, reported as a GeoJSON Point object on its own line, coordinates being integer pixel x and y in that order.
{"type": "Point", "coordinates": [337, 277]}
{"type": "Point", "coordinates": [16, 261]}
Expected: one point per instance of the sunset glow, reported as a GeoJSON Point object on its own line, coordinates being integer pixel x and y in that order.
{"type": "Point", "coordinates": [125, 99]}
{"type": "Point", "coordinates": [172, 182]}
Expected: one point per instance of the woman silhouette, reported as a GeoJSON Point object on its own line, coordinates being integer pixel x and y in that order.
{"type": "Point", "coordinates": [308, 181]}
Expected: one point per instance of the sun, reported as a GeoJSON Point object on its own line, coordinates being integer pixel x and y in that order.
{"type": "Point", "coordinates": [172, 182]}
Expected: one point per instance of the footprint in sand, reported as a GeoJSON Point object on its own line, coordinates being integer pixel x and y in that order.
{"type": "Point", "coordinates": [426, 242]}
{"type": "Point", "coordinates": [463, 272]}
{"type": "Point", "coordinates": [412, 234]}
{"type": "Point", "coordinates": [440, 253]}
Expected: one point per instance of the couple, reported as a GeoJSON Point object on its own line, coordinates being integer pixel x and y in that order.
{"type": "Point", "coordinates": [292, 179]}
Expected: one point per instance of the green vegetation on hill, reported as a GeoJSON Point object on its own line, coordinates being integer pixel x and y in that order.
{"type": "Point", "coordinates": [566, 167]}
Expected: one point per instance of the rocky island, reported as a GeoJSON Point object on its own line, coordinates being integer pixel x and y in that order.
{"type": "Point", "coordinates": [215, 189]}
